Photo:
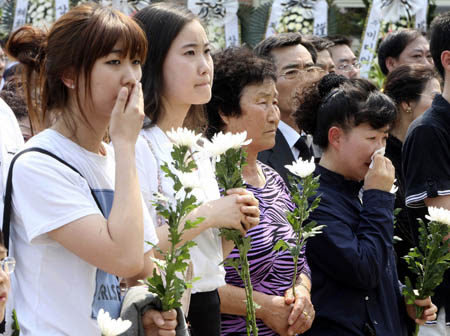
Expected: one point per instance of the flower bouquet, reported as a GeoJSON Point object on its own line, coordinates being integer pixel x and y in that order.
{"type": "Point", "coordinates": [176, 259]}
{"type": "Point", "coordinates": [303, 185]}
{"type": "Point", "coordinates": [430, 259]}
{"type": "Point", "coordinates": [229, 158]}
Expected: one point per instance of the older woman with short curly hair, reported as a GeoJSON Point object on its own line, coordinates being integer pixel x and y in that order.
{"type": "Point", "coordinates": [244, 98]}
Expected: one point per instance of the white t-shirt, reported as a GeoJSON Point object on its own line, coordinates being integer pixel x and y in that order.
{"type": "Point", "coordinates": [56, 292]}
{"type": "Point", "coordinates": [207, 255]}
{"type": "Point", "coordinates": [11, 141]}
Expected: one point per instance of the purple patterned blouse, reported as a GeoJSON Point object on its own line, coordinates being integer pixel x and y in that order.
{"type": "Point", "coordinates": [271, 271]}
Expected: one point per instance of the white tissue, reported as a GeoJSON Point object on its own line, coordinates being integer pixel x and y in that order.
{"type": "Point", "coordinates": [394, 187]}
{"type": "Point", "coordinates": [378, 151]}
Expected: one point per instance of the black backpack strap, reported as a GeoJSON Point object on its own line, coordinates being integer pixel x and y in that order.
{"type": "Point", "coordinates": [8, 191]}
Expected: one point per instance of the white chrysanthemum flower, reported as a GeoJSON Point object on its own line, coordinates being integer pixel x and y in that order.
{"type": "Point", "coordinates": [189, 180]}
{"type": "Point", "coordinates": [183, 137]}
{"type": "Point", "coordinates": [221, 142]}
{"type": "Point", "coordinates": [302, 168]}
{"type": "Point", "coordinates": [440, 215]}
{"type": "Point", "coordinates": [109, 326]}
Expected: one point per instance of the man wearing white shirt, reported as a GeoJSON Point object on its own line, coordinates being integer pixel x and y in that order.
{"type": "Point", "coordinates": [294, 59]}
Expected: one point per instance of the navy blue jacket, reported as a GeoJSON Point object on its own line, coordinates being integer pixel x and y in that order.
{"type": "Point", "coordinates": [355, 288]}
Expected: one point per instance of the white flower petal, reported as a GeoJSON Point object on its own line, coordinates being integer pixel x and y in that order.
{"type": "Point", "coordinates": [221, 142]}
{"type": "Point", "coordinates": [183, 137]}
{"type": "Point", "coordinates": [302, 168]}
{"type": "Point", "coordinates": [189, 180]}
{"type": "Point", "coordinates": [109, 326]}
{"type": "Point", "coordinates": [440, 215]}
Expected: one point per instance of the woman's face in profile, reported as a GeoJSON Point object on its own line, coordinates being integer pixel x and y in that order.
{"type": "Point", "coordinates": [432, 88]}
{"type": "Point", "coordinates": [355, 149]}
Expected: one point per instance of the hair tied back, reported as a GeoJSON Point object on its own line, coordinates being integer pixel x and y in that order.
{"type": "Point", "coordinates": [330, 82]}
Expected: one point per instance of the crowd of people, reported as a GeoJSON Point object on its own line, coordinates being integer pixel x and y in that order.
{"type": "Point", "coordinates": [95, 96]}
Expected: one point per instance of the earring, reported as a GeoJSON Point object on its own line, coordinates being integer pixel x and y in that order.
{"type": "Point", "coordinates": [408, 110]}
{"type": "Point", "coordinates": [72, 86]}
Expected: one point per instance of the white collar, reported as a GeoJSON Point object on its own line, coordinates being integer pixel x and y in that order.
{"type": "Point", "coordinates": [290, 134]}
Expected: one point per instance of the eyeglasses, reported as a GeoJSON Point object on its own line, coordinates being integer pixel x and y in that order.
{"type": "Point", "coordinates": [294, 73]}
{"type": "Point", "coordinates": [8, 264]}
{"type": "Point", "coordinates": [349, 67]}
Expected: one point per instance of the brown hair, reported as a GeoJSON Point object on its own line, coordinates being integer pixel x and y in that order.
{"type": "Point", "coordinates": [407, 82]}
{"type": "Point", "coordinates": [73, 45]}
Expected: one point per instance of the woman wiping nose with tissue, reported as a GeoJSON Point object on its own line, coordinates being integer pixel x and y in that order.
{"type": "Point", "coordinates": [355, 289]}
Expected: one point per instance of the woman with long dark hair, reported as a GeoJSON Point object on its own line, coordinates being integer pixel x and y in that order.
{"type": "Point", "coordinates": [177, 76]}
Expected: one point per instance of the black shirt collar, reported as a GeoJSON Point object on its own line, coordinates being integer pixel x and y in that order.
{"type": "Point", "coordinates": [338, 181]}
{"type": "Point", "coordinates": [441, 105]}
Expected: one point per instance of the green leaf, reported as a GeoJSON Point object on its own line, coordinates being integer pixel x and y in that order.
{"type": "Point", "coordinates": [281, 244]}
{"type": "Point", "coordinates": [429, 260]}
{"type": "Point", "coordinates": [175, 260]}
{"type": "Point", "coordinates": [15, 324]}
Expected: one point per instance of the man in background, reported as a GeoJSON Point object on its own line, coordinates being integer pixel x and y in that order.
{"type": "Point", "coordinates": [343, 57]}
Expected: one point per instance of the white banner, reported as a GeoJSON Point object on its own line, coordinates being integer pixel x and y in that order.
{"type": "Point", "coordinates": [321, 18]}
{"type": "Point", "coordinates": [20, 15]}
{"type": "Point", "coordinates": [420, 22]}
{"type": "Point", "coordinates": [117, 4]}
{"type": "Point", "coordinates": [370, 38]}
{"type": "Point", "coordinates": [61, 7]}
{"type": "Point", "coordinates": [275, 16]}
{"type": "Point", "coordinates": [232, 32]}
{"type": "Point", "coordinates": [219, 13]}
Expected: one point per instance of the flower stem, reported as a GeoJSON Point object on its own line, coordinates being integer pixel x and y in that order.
{"type": "Point", "coordinates": [419, 311]}
{"type": "Point", "coordinates": [294, 279]}
{"type": "Point", "coordinates": [251, 314]}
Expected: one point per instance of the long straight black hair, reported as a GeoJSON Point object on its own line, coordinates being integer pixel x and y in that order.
{"type": "Point", "coordinates": [161, 22]}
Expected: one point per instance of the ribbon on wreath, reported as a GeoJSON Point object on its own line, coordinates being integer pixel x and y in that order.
{"type": "Point", "coordinates": [312, 9]}
{"type": "Point", "coordinates": [125, 6]}
{"type": "Point", "coordinates": [219, 16]}
{"type": "Point", "coordinates": [61, 7]}
{"type": "Point", "coordinates": [390, 11]}
{"type": "Point", "coordinates": [35, 14]}
{"type": "Point", "coordinates": [20, 14]}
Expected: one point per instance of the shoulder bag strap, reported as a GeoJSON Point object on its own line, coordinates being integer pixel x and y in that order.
{"type": "Point", "coordinates": [9, 189]}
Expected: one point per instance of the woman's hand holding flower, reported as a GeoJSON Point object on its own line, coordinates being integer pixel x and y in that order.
{"type": "Point", "coordinates": [429, 311]}
{"type": "Point", "coordinates": [302, 312]}
{"type": "Point", "coordinates": [160, 323]}
{"type": "Point", "coordinates": [224, 212]}
{"type": "Point", "coordinates": [275, 314]}
{"type": "Point", "coordinates": [249, 207]}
